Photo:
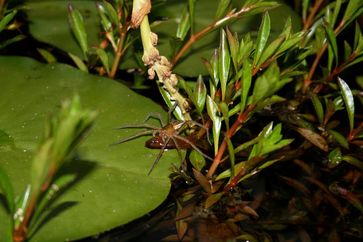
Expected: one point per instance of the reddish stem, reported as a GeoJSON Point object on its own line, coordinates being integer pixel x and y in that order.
{"type": "Point", "coordinates": [203, 32]}
{"type": "Point", "coordinates": [242, 117]}
{"type": "Point", "coordinates": [119, 51]}
{"type": "Point", "coordinates": [312, 14]}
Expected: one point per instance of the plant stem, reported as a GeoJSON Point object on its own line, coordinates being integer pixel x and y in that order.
{"type": "Point", "coordinates": [242, 117]}
{"type": "Point", "coordinates": [312, 14]}
{"type": "Point", "coordinates": [209, 28]}
{"type": "Point", "coordinates": [2, 3]}
{"type": "Point", "coordinates": [315, 64]}
{"type": "Point", "coordinates": [20, 232]}
{"type": "Point", "coordinates": [119, 51]}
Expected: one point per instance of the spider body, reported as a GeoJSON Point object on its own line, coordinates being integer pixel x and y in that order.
{"type": "Point", "coordinates": [164, 138]}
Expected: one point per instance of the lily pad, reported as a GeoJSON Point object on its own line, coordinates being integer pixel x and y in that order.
{"type": "Point", "coordinates": [113, 187]}
{"type": "Point", "coordinates": [49, 24]}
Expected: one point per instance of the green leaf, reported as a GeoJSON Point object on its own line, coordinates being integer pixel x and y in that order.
{"type": "Point", "coordinates": [347, 50]}
{"type": "Point", "coordinates": [184, 25]}
{"type": "Point", "coordinates": [246, 83]}
{"type": "Point", "coordinates": [338, 4]}
{"type": "Point", "coordinates": [78, 28]}
{"type": "Point", "coordinates": [47, 56]}
{"type": "Point", "coordinates": [105, 22]}
{"type": "Point", "coordinates": [222, 8]}
{"type": "Point", "coordinates": [348, 101]}
{"type": "Point", "coordinates": [245, 49]}
{"type": "Point", "coordinates": [332, 41]}
{"type": "Point", "coordinates": [191, 8]}
{"type": "Point", "coordinates": [270, 50]}
{"type": "Point", "coordinates": [262, 37]}
{"type": "Point", "coordinates": [353, 161]}
{"type": "Point", "coordinates": [7, 189]}
{"type": "Point", "coordinates": [197, 160]}
{"type": "Point", "coordinates": [305, 8]}
{"type": "Point", "coordinates": [79, 62]}
{"type": "Point", "coordinates": [104, 58]}
{"type": "Point", "coordinates": [353, 9]}
{"type": "Point", "coordinates": [200, 94]}
{"type": "Point", "coordinates": [268, 83]}
{"type": "Point", "coordinates": [212, 109]}
{"type": "Point", "coordinates": [111, 13]}
{"type": "Point", "coordinates": [358, 38]}
{"type": "Point", "coordinates": [224, 110]}
{"type": "Point", "coordinates": [233, 47]}
{"type": "Point", "coordinates": [107, 175]}
{"type": "Point", "coordinates": [334, 158]}
{"type": "Point", "coordinates": [48, 23]}
{"type": "Point", "coordinates": [224, 62]}
{"type": "Point", "coordinates": [339, 138]}
{"type": "Point", "coordinates": [7, 19]}
{"type": "Point", "coordinates": [318, 107]}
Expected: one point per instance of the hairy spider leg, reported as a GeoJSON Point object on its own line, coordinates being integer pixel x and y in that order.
{"type": "Point", "coordinates": [193, 146]}
{"type": "Point", "coordinates": [137, 126]}
{"type": "Point", "coordinates": [142, 133]}
{"type": "Point", "coordinates": [156, 116]}
{"type": "Point", "coordinates": [156, 160]}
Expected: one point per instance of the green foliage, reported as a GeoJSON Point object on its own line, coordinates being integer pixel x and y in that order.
{"type": "Point", "coordinates": [99, 175]}
{"type": "Point", "coordinates": [227, 71]}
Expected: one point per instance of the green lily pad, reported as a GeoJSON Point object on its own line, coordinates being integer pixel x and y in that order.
{"type": "Point", "coordinates": [48, 23]}
{"type": "Point", "coordinates": [113, 187]}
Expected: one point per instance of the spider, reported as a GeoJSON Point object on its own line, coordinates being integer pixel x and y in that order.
{"type": "Point", "coordinates": [168, 136]}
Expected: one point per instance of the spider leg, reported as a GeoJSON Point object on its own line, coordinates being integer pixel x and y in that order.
{"type": "Point", "coordinates": [156, 116]}
{"type": "Point", "coordinates": [200, 126]}
{"type": "Point", "coordinates": [177, 149]}
{"type": "Point", "coordinates": [137, 126]}
{"type": "Point", "coordinates": [143, 133]}
{"type": "Point", "coordinates": [193, 146]}
{"type": "Point", "coordinates": [158, 157]}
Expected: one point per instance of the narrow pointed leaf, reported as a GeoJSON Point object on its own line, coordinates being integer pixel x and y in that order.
{"type": "Point", "coordinates": [7, 19]}
{"type": "Point", "coordinates": [351, 10]}
{"type": "Point", "coordinates": [79, 62]}
{"type": "Point", "coordinates": [184, 25]}
{"type": "Point", "coordinates": [318, 107]}
{"type": "Point", "coordinates": [78, 28]}
{"type": "Point", "coordinates": [112, 13]}
{"type": "Point", "coordinates": [246, 83]}
{"type": "Point", "coordinates": [270, 50]}
{"type": "Point", "coordinates": [212, 110]}
{"type": "Point", "coordinates": [105, 22]}
{"type": "Point", "coordinates": [348, 101]}
{"type": "Point", "coordinates": [7, 189]}
{"type": "Point", "coordinates": [233, 47]}
{"type": "Point", "coordinates": [197, 160]}
{"type": "Point", "coordinates": [338, 4]}
{"type": "Point", "coordinates": [332, 41]}
{"type": "Point", "coordinates": [339, 138]}
{"type": "Point", "coordinates": [200, 94]}
{"type": "Point", "coordinates": [191, 7]}
{"type": "Point", "coordinates": [222, 9]}
{"type": "Point", "coordinates": [262, 37]}
{"type": "Point", "coordinates": [104, 58]}
{"type": "Point", "coordinates": [353, 161]}
{"type": "Point", "coordinates": [305, 8]}
{"type": "Point", "coordinates": [224, 62]}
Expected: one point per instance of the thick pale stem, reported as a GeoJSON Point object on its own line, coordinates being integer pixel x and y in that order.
{"type": "Point", "coordinates": [160, 66]}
